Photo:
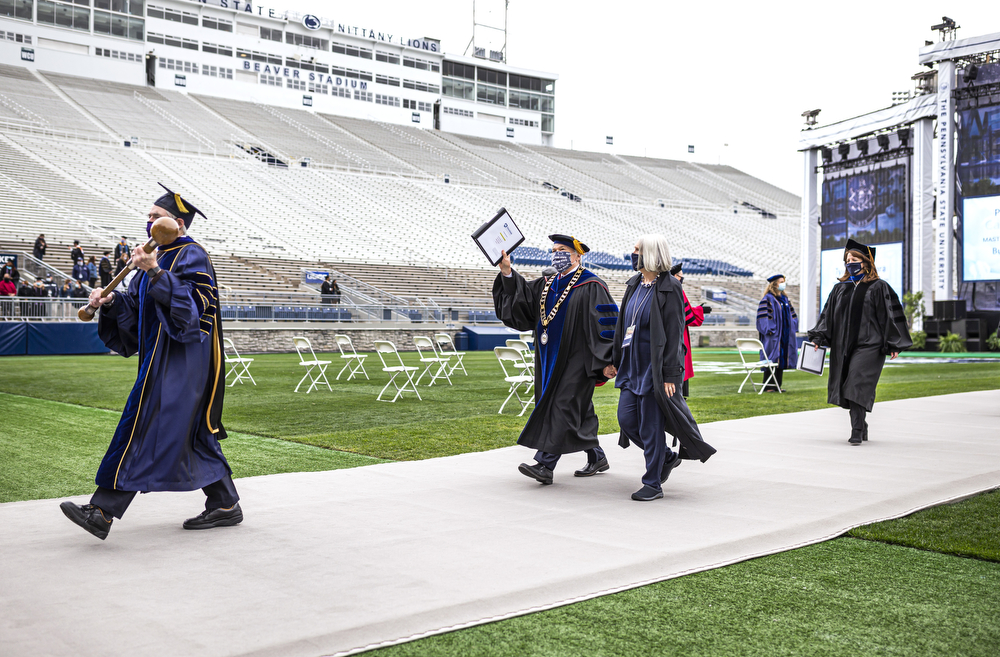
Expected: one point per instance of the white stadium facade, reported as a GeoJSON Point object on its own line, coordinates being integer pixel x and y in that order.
{"type": "Point", "coordinates": [359, 150]}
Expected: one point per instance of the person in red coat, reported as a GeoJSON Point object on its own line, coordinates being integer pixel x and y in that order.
{"type": "Point", "coordinates": [693, 316]}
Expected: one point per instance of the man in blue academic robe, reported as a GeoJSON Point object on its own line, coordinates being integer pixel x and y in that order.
{"type": "Point", "coordinates": [572, 354]}
{"type": "Point", "coordinates": [168, 435]}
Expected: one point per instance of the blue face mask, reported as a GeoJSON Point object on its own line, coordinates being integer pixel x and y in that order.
{"type": "Point", "coordinates": [635, 262]}
{"type": "Point", "coordinates": [781, 287]}
{"type": "Point", "coordinates": [561, 260]}
{"type": "Point", "coordinates": [854, 268]}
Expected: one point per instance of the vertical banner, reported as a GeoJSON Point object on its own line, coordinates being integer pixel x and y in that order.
{"type": "Point", "coordinates": [922, 226]}
{"type": "Point", "coordinates": [944, 181]}
{"type": "Point", "coordinates": [809, 260]}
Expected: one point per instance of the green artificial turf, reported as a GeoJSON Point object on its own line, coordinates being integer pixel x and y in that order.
{"type": "Point", "coordinates": [51, 449]}
{"type": "Point", "coordinates": [450, 419]}
{"type": "Point", "coordinates": [970, 528]}
{"type": "Point", "coordinates": [840, 598]}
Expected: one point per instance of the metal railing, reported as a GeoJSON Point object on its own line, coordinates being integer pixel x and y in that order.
{"type": "Point", "coordinates": [65, 309]}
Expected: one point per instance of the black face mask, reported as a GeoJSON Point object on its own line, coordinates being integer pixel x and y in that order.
{"type": "Point", "coordinates": [854, 268]}
{"type": "Point", "coordinates": [635, 261]}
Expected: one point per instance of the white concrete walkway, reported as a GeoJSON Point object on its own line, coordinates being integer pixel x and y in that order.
{"type": "Point", "coordinates": [334, 562]}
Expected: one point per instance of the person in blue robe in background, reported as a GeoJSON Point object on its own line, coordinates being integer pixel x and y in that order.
{"type": "Point", "coordinates": [168, 436]}
{"type": "Point", "coordinates": [572, 354]}
{"type": "Point", "coordinates": [777, 324]}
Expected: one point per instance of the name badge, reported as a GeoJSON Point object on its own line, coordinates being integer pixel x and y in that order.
{"type": "Point", "coordinates": [628, 336]}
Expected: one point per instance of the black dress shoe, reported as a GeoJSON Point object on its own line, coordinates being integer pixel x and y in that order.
{"type": "Point", "coordinates": [89, 517]}
{"type": "Point", "coordinates": [647, 494]}
{"type": "Point", "coordinates": [538, 472]}
{"type": "Point", "coordinates": [668, 467]}
{"type": "Point", "coordinates": [216, 518]}
{"type": "Point", "coordinates": [591, 469]}
{"type": "Point", "coordinates": [855, 440]}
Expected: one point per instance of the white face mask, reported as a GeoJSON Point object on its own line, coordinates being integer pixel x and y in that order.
{"type": "Point", "coordinates": [781, 287]}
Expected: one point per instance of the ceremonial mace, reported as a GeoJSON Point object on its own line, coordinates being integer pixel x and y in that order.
{"type": "Point", "coordinates": [163, 231]}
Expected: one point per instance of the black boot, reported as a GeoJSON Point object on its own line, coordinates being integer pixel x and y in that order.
{"type": "Point", "coordinates": [90, 517]}
{"type": "Point", "coordinates": [538, 472]}
{"type": "Point", "coordinates": [216, 518]}
{"type": "Point", "coordinates": [591, 469]}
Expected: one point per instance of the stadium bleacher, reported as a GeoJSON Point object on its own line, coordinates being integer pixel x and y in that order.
{"type": "Point", "coordinates": [368, 189]}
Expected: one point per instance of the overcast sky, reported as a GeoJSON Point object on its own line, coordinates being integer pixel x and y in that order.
{"type": "Point", "coordinates": [660, 76]}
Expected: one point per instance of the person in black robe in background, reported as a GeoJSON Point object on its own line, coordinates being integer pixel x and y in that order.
{"type": "Point", "coordinates": [572, 354]}
{"type": "Point", "coordinates": [326, 290]}
{"type": "Point", "coordinates": [649, 366]}
{"type": "Point", "coordinates": [169, 432]}
{"type": "Point", "coordinates": [105, 269]}
{"type": "Point", "coordinates": [862, 323]}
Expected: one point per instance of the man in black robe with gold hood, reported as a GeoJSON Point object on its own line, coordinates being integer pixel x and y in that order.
{"type": "Point", "coordinates": [862, 323]}
{"type": "Point", "coordinates": [572, 354]}
{"type": "Point", "coordinates": [168, 435]}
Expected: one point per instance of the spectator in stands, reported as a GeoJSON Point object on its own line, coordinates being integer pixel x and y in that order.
{"type": "Point", "coordinates": [693, 316]}
{"type": "Point", "coordinates": [75, 252]}
{"type": "Point", "coordinates": [80, 272]}
{"type": "Point", "coordinates": [862, 323]}
{"type": "Point", "coordinates": [66, 290]}
{"type": "Point", "coordinates": [776, 327]}
{"type": "Point", "coordinates": [50, 287]}
{"type": "Point", "coordinates": [39, 249]}
{"type": "Point", "coordinates": [105, 269]}
{"type": "Point", "coordinates": [335, 291]}
{"type": "Point", "coordinates": [40, 293]}
{"type": "Point", "coordinates": [11, 270]}
{"type": "Point", "coordinates": [7, 290]}
{"type": "Point", "coordinates": [571, 355]}
{"type": "Point", "coordinates": [79, 292]}
{"type": "Point", "coordinates": [122, 262]}
{"type": "Point", "coordinates": [26, 291]}
{"type": "Point", "coordinates": [326, 290]}
{"type": "Point", "coordinates": [122, 247]}
{"type": "Point", "coordinates": [92, 271]}
{"type": "Point", "coordinates": [649, 369]}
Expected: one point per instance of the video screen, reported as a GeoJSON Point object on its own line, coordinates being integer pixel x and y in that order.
{"type": "Point", "coordinates": [978, 162]}
{"type": "Point", "coordinates": [867, 206]}
{"type": "Point", "coordinates": [888, 259]}
{"type": "Point", "coordinates": [981, 238]}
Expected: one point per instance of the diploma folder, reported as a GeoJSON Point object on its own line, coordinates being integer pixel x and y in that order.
{"type": "Point", "coordinates": [811, 360]}
{"type": "Point", "coordinates": [498, 234]}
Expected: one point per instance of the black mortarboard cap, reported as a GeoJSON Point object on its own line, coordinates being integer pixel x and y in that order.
{"type": "Point", "coordinates": [676, 269]}
{"type": "Point", "coordinates": [863, 249]}
{"type": "Point", "coordinates": [775, 277]}
{"type": "Point", "coordinates": [571, 242]}
{"type": "Point", "coordinates": [177, 206]}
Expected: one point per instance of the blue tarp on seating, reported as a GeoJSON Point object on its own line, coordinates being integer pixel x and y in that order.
{"type": "Point", "coordinates": [484, 338]}
{"type": "Point", "coordinates": [69, 338]}
{"type": "Point", "coordinates": [13, 339]}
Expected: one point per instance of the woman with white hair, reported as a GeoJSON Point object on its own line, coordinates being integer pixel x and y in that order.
{"type": "Point", "coordinates": [649, 366]}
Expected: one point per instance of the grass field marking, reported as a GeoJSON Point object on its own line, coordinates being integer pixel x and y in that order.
{"type": "Point", "coordinates": [61, 403]}
{"type": "Point", "coordinates": [241, 434]}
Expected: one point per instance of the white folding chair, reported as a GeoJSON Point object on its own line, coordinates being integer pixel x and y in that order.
{"type": "Point", "coordinates": [527, 336]}
{"type": "Point", "coordinates": [516, 380]}
{"type": "Point", "coordinates": [303, 345]}
{"type": "Point", "coordinates": [237, 365]}
{"type": "Point", "coordinates": [353, 361]}
{"type": "Point", "coordinates": [435, 365]}
{"type": "Point", "coordinates": [446, 347]}
{"type": "Point", "coordinates": [527, 356]}
{"type": "Point", "coordinates": [747, 346]}
{"type": "Point", "coordinates": [383, 347]}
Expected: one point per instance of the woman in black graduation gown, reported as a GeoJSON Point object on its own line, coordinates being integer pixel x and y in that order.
{"type": "Point", "coordinates": [649, 367]}
{"type": "Point", "coordinates": [862, 323]}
